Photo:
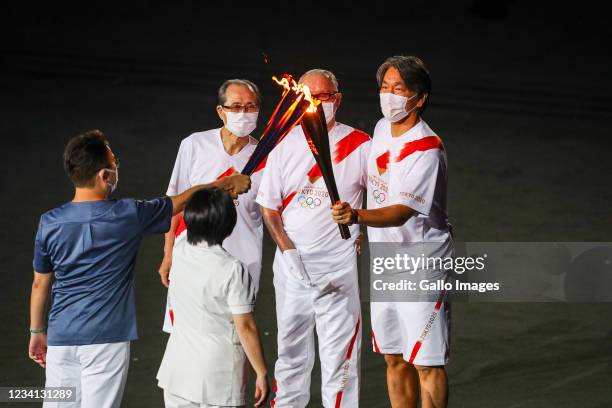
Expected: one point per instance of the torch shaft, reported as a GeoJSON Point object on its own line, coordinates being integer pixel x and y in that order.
{"type": "Point", "coordinates": [315, 130]}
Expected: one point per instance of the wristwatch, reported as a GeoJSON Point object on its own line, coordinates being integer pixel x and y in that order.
{"type": "Point", "coordinates": [354, 217]}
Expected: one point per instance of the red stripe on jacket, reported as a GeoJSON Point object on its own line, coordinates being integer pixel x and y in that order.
{"type": "Point", "coordinates": [261, 165]}
{"type": "Point", "coordinates": [314, 173]}
{"type": "Point", "coordinates": [348, 144]}
{"type": "Point", "coordinates": [382, 162]}
{"type": "Point", "coordinates": [288, 199]}
{"type": "Point", "coordinates": [420, 145]}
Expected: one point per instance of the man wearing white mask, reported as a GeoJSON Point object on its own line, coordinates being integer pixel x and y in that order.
{"type": "Point", "coordinates": [407, 183]}
{"type": "Point", "coordinates": [213, 154]}
{"type": "Point", "coordinates": [315, 270]}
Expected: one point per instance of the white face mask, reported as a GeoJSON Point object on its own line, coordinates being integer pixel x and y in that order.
{"type": "Point", "coordinates": [241, 123]}
{"type": "Point", "coordinates": [113, 186]}
{"type": "Point", "coordinates": [394, 106]}
{"type": "Point", "coordinates": [329, 109]}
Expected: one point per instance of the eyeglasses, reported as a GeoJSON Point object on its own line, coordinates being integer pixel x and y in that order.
{"type": "Point", "coordinates": [250, 107]}
{"type": "Point", "coordinates": [325, 96]}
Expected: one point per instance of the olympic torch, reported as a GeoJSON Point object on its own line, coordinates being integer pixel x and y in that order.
{"type": "Point", "coordinates": [296, 100]}
{"type": "Point", "coordinates": [314, 126]}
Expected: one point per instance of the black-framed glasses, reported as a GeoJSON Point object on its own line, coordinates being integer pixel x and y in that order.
{"type": "Point", "coordinates": [249, 107]}
{"type": "Point", "coordinates": [325, 96]}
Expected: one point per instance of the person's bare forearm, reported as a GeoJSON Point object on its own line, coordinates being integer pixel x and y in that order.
{"type": "Point", "coordinates": [170, 236]}
{"type": "Point", "coordinates": [235, 184]}
{"type": "Point", "coordinates": [246, 327]}
{"type": "Point", "coordinates": [274, 223]}
{"type": "Point", "coordinates": [38, 300]}
{"type": "Point", "coordinates": [166, 264]}
{"type": "Point", "coordinates": [180, 201]}
{"type": "Point", "coordinates": [391, 216]}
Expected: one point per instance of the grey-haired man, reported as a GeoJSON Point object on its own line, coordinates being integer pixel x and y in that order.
{"type": "Point", "coordinates": [213, 154]}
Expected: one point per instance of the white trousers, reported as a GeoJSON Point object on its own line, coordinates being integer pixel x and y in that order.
{"type": "Point", "coordinates": [332, 306]}
{"type": "Point", "coordinates": [98, 371]}
{"type": "Point", "coordinates": [174, 401]}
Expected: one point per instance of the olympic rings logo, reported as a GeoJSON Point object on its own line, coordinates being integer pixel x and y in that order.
{"type": "Point", "coordinates": [309, 202]}
{"type": "Point", "coordinates": [379, 196]}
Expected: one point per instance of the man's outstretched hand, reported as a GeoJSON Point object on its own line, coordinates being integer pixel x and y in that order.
{"type": "Point", "coordinates": [235, 184]}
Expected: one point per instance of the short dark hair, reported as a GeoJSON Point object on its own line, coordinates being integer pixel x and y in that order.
{"type": "Point", "coordinates": [222, 93]}
{"type": "Point", "coordinates": [414, 73]}
{"type": "Point", "coordinates": [84, 156]}
{"type": "Point", "coordinates": [210, 215]}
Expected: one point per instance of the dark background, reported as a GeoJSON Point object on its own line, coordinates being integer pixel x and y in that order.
{"type": "Point", "coordinates": [521, 99]}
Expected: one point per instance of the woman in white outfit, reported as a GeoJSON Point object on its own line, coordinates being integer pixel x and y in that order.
{"type": "Point", "coordinates": [213, 297]}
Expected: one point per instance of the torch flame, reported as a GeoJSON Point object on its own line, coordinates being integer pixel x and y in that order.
{"type": "Point", "coordinates": [302, 90]}
{"type": "Point", "coordinates": [284, 82]}
{"type": "Point", "coordinates": [313, 102]}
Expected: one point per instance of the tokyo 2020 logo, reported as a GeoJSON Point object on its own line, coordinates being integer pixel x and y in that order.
{"type": "Point", "coordinates": [379, 196]}
{"type": "Point", "coordinates": [309, 202]}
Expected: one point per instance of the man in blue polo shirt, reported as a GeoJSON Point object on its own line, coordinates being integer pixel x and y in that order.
{"type": "Point", "coordinates": [90, 245]}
